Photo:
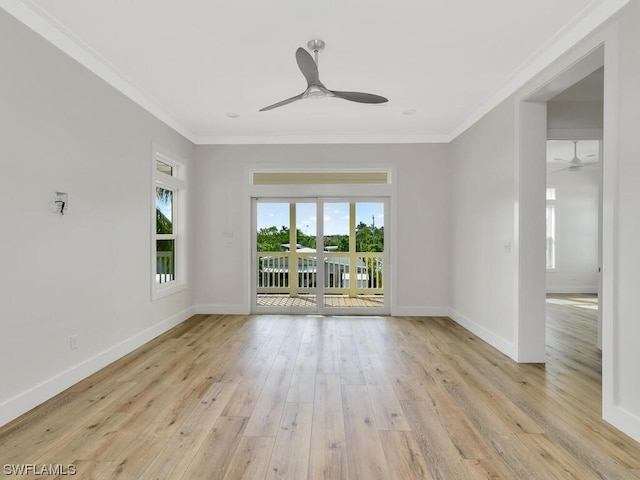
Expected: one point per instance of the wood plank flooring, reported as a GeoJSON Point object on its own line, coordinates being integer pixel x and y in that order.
{"type": "Point", "coordinates": [312, 397]}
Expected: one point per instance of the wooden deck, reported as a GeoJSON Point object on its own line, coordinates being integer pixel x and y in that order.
{"type": "Point", "coordinates": [338, 301]}
{"type": "Point", "coordinates": [319, 397]}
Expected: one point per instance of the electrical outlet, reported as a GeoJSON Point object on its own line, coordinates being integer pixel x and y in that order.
{"type": "Point", "coordinates": [73, 342]}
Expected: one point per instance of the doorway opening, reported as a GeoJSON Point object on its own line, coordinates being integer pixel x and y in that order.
{"type": "Point", "coordinates": [574, 221]}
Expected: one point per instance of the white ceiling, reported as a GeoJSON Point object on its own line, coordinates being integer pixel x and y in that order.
{"type": "Point", "coordinates": [193, 62]}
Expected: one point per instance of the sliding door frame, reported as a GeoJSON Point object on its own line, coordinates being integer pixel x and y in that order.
{"type": "Point", "coordinates": [320, 305]}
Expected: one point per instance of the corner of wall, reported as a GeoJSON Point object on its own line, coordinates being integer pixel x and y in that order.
{"type": "Point", "coordinates": [499, 343]}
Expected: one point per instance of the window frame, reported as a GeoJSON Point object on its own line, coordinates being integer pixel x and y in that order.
{"type": "Point", "coordinates": [175, 183]}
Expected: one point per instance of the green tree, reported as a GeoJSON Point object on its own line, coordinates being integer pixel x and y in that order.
{"type": "Point", "coordinates": [270, 239]}
{"type": "Point", "coordinates": [369, 238]}
{"type": "Point", "coordinates": [343, 243]}
{"type": "Point", "coordinates": [163, 224]}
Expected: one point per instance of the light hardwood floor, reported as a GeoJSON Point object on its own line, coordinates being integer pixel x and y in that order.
{"type": "Point", "coordinates": [269, 397]}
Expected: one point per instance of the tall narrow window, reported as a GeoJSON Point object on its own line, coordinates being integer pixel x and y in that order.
{"type": "Point", "coordinates": [165, 236]}
{"type": "Point", "coordinates": [168, 245]}
{"type": "Point", "coordinates": [551, 228]}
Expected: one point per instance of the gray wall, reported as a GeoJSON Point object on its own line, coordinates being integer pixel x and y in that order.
{"type": "Point", "coordinates": [421, 223]}
{"type": "Point", "coordinates": [483, 223]}
{"type": "Point", "coordinates": [86, 273]}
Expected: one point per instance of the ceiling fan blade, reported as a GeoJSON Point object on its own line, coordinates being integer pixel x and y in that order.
{"type": "Point", "coordinates": [308, 67]}
{"type": "Point", "coordinates": [280, 104]}
{"type": "Point", "coordinates": [360, 97]}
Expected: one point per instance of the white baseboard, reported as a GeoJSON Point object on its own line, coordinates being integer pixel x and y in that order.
{"type": "Point", "coordinates": [491, 338]}
{"type": "Point", "coordinates": [222, 309]}
{"type": "Point", "coordinates": [34, 396]}
{"type": "Point", "coordinates": [420, 312]}
{"type": "Point", "coordinates": [623, 420]}
{"type": "Point", "coordinates": [572, 289]}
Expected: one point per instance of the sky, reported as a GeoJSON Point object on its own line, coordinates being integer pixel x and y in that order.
{"type": "Point", "coordinates": [164, 206]}
{"type": "Point", "coordinates": [336, 216]}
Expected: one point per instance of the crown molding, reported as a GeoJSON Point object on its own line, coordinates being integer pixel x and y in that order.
{"type": "Point", "coordinates": [33, 17]}
{"type": "Point", "coordinates": [318, 139]}
{"type": "Point", "coordinates": [579, 28]}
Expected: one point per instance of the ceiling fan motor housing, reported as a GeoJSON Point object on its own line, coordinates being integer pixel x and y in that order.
{"type": "Point", "coordinates": [315, 45]}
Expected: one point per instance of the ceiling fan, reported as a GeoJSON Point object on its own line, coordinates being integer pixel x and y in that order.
{"type": "Point", "coordinates": [315, 88]}
{"type": "Point", "coordinates": [576, 163]}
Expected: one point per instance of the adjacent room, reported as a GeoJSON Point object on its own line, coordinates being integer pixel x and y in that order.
{"type": "Point", "coordinates": [299, 241]}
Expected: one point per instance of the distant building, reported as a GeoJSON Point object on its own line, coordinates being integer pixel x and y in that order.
{"type": "Point", "coordinates": [274, 270]}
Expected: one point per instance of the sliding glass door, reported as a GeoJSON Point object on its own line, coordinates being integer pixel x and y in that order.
{"type": "Point", "coordinates": [320, 255]}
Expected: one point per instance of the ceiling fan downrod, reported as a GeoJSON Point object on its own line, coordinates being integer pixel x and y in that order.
{"type": "Point", "coordinates": [316, 46]}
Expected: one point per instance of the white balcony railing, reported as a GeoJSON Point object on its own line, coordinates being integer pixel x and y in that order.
{"type": "Point", "coordinates": [165, 271]}
{"type": "Point", "coordinates": [361, 273]}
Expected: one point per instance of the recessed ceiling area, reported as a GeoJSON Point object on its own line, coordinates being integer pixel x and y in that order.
{"type": "Point", "coordinates": [206, 68]}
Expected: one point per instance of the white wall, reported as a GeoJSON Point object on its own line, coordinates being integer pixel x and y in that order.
{"type": "Point", "coordinates": [626, 335]}
{"type": "Point", "coordinates": [420, 206]}
{"type": "Point", "coordinates": [576, 231]}
{"type": "Point", "coordinates": [578, 114]}
{"type": "Point", "coordinates": [483, 224]}
{"type": "Point", "coordinates": [574, 114]}
{"type": "Point", "coordinates": [86, 273]}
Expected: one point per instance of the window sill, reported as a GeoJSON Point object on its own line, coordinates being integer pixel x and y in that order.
{"type": "Point", "coordinates": [161, 291]}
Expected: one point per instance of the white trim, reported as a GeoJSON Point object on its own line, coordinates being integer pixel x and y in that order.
{"type": "Point", "coordinates": [623, 420]}
{"type": "Point", "coordinates": [211, 309]}
{"type": "Point", "coordinates": [502, 344]}
{"type": "Point", "coordinates": [178, 185]}
{"type": "Point", "coordinates": [36, 395]}
{"type": "Point", "coordinates": [609, 240]}
{"type": "Point", "coordinates": [311, 139]}
{"type": "Point", "coordinates": [168, 288]}
{"type": "Point", "coordinates": [421, 311]}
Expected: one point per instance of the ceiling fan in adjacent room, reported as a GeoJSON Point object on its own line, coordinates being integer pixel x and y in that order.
{"type": "Point", "coordinates": [315, 88]}
{"type": "Point", "coordinates": [576, 163]}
